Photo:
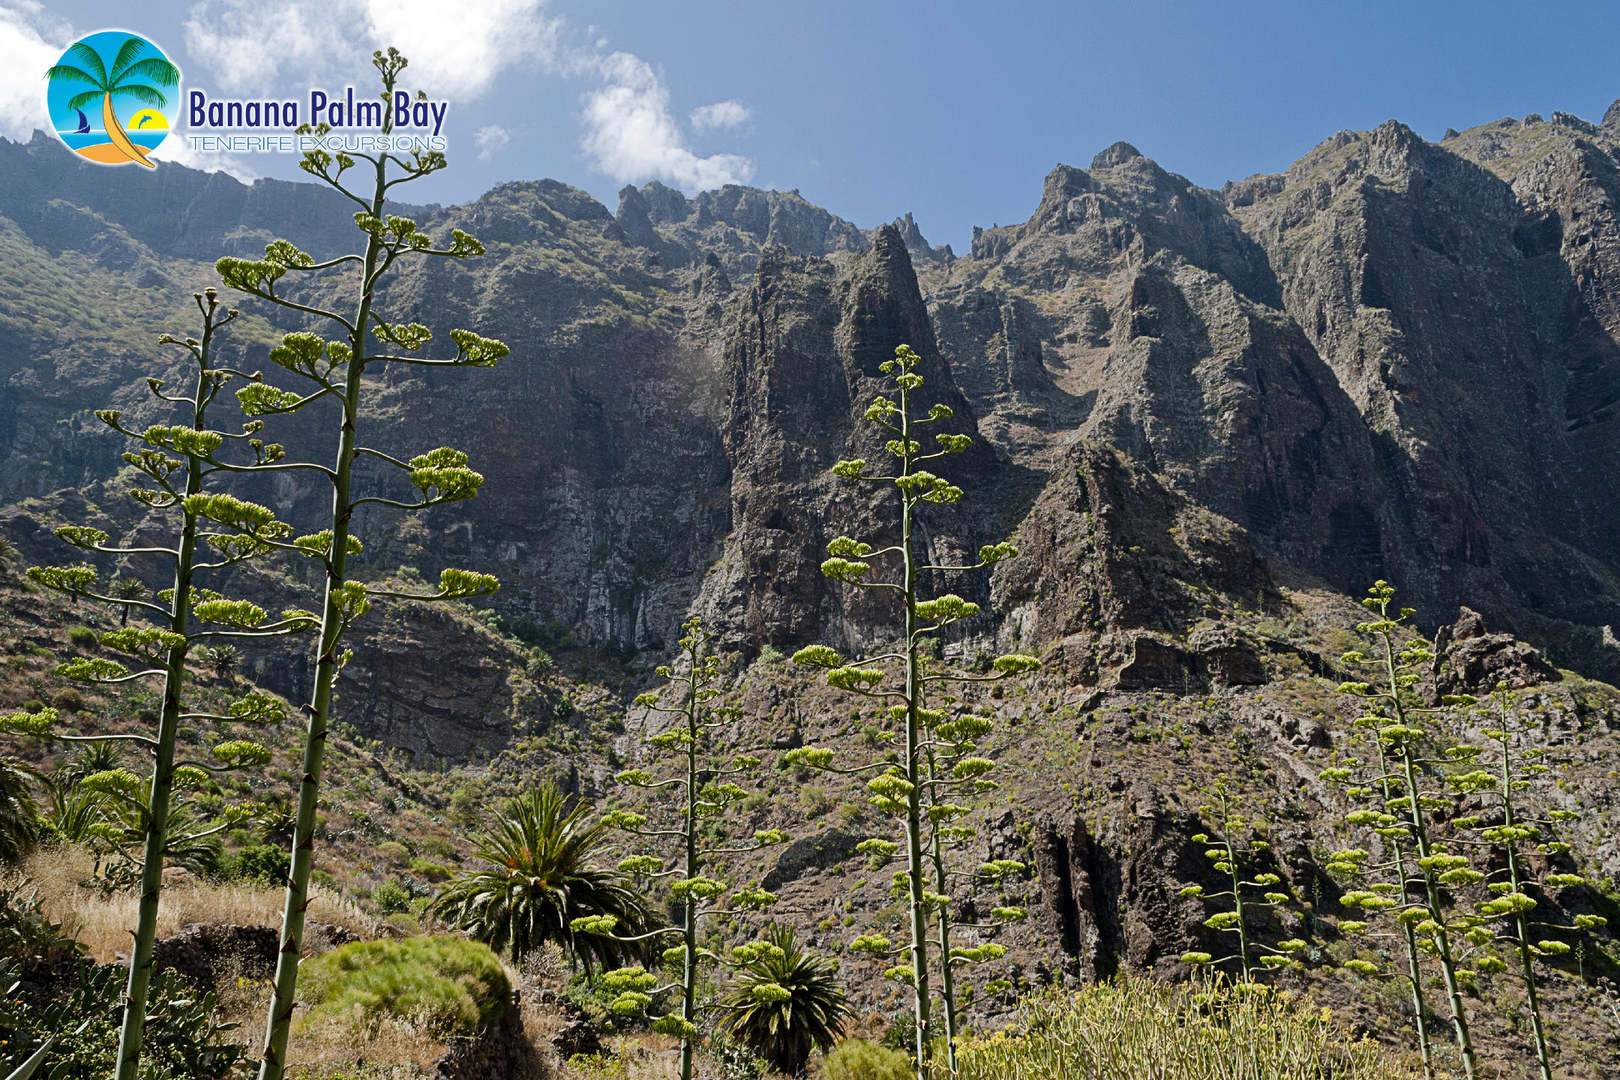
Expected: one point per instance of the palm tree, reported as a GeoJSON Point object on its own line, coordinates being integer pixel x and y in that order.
{"type": "Point", "coordinates": [126, 588]}
{"type": "Point", "coordinates": [545, 870]}
{"type": "Point", "coordinates": [130, 77]}
{"type": "Point", "coordinates": [19, 819]}
{"type": "Point", "coordinates": [785, 1003]}
{"type": "Point", "coordinates": [223, 660]}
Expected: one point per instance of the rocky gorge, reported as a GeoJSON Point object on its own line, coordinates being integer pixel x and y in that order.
{"type": "Point", "coordinates": [1208, 419]}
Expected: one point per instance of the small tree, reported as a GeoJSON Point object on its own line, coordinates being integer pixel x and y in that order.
{"type": "Point", "coordinates": [210, 531]}
{"type": "Point", "coordinates": [335, 369]}
{"type": "Point", "coordinates": [1511, 832]}
{"type": "Point", "coordinates": [1236, 852]}
{"type": "Point", "coordinates": [691, 848]}
{"type": "Point", "coordinates": [1402, 789]}
{"type": "Point", "coordinates": [899, 677]}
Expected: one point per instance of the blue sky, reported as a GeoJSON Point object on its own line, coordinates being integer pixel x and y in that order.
{"type": "Point", "coordinates": [953, 111]}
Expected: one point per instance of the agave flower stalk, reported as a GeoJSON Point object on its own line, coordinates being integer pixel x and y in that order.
{"type": "Point", "coordinates": [684, 857]}
{"type": "Point", "coordinates": [955, 771]}
{"type": "Point", "coordinates": [335, 368]}
{"type": "Point", "coordinates": [1394, 708]}
{"type": "Point", "coordinates": [1352, 862]}
{"type": "Point", "coordinates": [178, 461]}
{"type": "Point", "coordinates": [1510, 832]}
{"type": "Point", "coordinates": [898, 677]}
{"type": "Point", "coordinates": [1234, 852]}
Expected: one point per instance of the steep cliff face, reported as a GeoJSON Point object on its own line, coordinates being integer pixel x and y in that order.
{"type": "Point", "coordinates": [804, 354]}
{"type": "Point", "coordinates": [1396, 359]}
{"type": "Point", "coordinates": [1319, 355]}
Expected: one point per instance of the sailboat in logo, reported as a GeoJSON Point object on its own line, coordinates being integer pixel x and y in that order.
{"type": "Point", "coordinates": [84, 123]}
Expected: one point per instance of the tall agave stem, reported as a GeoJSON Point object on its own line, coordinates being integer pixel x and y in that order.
{"type": "Point", "coordinates": [1418, 821]}
{"type": "Point", "coordinates": [441, 475]}
{"type": "Point", "coordinates": [250, 531]}
{"type": "Point", "coordinates": [921, 999]}
{"type": "Point", "coordinates": [1409, 939]}
{"type": "Point", "coordinates": [1521, 920]}
{"type": "Point", "coordinates": [157, 822]}
{"type": "Point", "coordinates": [905, 789]}
{"type": "Point", "coordinates": [689, 862]}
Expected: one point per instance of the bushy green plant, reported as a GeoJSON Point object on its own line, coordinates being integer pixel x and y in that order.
{"type": "Point", "coordinates": [391, 897]}
{"type": "Point", "coordinates": [543, 871]}
{"type": "Point", "coordinates": [331, 372]}
{"type": "Point", "coordinates": [263, 863]}
{"type": "Point", "coordinates": [857, 1059]}
{"type": "Point", "coordinates": [784, 1002]}
{"type": "Point", "coordinates": [1132, 1027]}
{"type": "Point", "coordinates": [444, 985]}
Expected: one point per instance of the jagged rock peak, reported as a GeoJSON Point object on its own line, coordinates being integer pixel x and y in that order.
{"type": "Point", "coordinates": [889, 251]}
{"type": "Point", "coordinates": [1117, 154]}
{"type": "Point", "coordinates": [915, 242]}
{"type": "Point", "coordinates": [1394, 135]}
{"type": "Point", "coordinates": [664, 203]}
{"type": "Point", "coordinates": [635, 218]}
{"type": "Point", "coordinates": [1611, 118]}
{"type": "Point", "coordinates": [712, 277]}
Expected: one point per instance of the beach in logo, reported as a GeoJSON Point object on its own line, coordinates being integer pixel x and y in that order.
{"type": "Point", "coordinates": [113, 98]}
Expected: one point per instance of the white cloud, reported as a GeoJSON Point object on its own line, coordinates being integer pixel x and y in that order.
{"type": "Point", "coordinates": [31, 41]}
{"type": "Point", "coordinates": [720, 116]}
{"type": "Point", "coordinates": [456, 50]}
{"type": "Point", "coordinates": [491, 140]}
{"type": "Point", "coordinates": [631, 135]}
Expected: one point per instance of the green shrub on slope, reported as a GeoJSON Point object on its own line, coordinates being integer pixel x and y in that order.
{"type": "Point", "coordinates": [443, 985]}
{"type": "Point", "coordinates": [1131, 1028]}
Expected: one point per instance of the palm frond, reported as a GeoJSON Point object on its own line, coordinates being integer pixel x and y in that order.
{"type": "Point", "coordinates": [127, 52]}
{"type": "Point", "coordinates": [154, 69]}
{"type": "Point", "coordinates": [141, 92]}
{"type": "Point", "coordinates": [68, 71]}
{"type": "Point", "coordinates": [86, 99]}
{"type": "Point", "coordinates": [784, 1031]}
{"type": "Point", "coordinates": [544, 870]}
{"type": "Point", "coordinates": [91, 60]}
{"type": "Point", "coordinates": [19, 818]}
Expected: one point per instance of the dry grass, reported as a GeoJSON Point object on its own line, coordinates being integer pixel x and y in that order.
{"type": "Point", "coordinates": [102, 923]}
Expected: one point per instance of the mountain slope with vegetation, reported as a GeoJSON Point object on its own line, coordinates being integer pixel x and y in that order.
{"type": "Point", "coordinates": [1208, 420]}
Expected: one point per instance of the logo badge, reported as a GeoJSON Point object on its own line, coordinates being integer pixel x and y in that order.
{"type": "Point", "coordinates": [113, 98]}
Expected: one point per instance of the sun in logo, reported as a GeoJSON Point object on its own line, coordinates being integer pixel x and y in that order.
{"type": "Point", "coordinates": [113, 97]}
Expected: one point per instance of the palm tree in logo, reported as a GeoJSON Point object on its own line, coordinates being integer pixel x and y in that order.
{"type": "Point", "coordinates": [129, 77]}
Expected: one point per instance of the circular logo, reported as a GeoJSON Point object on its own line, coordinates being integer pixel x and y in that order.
{"type": "Point", "coordinates": [113, 97]}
